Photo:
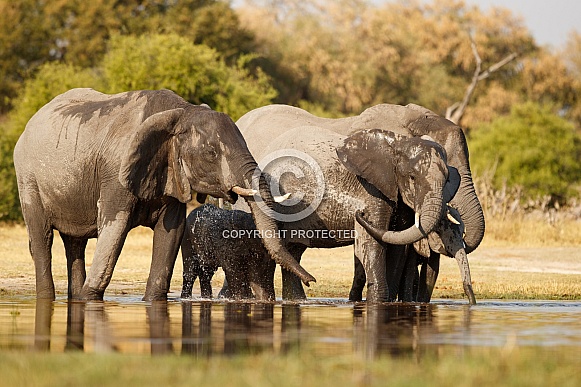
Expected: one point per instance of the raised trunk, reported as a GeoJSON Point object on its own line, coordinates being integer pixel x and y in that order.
{"type": "Point", "coordinates": [462, 260]}
{"type": "Point", "coordinates": [468, 205]}
{"type": "Point", "coordinates": [267, 226]}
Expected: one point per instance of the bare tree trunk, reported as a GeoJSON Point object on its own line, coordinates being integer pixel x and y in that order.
{"type": "Point", "coordinates": [455, 112]}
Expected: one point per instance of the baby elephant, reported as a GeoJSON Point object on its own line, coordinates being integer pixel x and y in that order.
{"type": "Point", "coordinates": [214, 238]}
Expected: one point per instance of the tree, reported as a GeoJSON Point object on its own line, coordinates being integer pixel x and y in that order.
{"type": "Point", "coordinates": [531, 148]}
{"type": "Point", "coordinates": [33, 32]}
{"type": "Point", "coordinates": [196, 72]}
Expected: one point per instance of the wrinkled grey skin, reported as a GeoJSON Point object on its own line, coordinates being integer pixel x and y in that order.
{"type": "Point", "coordinates": [94, 165]}
{"type": "Point", "coordinates": [410, 120]}
{"type": "Point", "coordinates": [446, 239]}
{"type": "Point", "coordinates": [366, 171]}
{"type": "Point", "coordinates": [211, 240]}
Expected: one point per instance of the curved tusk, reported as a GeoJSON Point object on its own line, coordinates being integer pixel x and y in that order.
{"type": "Point", "coordinates": [244, 191]}
{"type": "Point", "coordinates": [280, 199]}
{"type": "Point", "coordinates": [452, 219]}
{"type": "Point", "coordinates": [417, 220]}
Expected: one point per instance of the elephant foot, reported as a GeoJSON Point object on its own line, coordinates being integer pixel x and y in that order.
{"type": "Point", "coordinates": [375, 296]}
{"type": "Point", "coordinates": [90, 294]}
{"type": "Point", "coordinates": [151, 296]}
{"type": "Point", "coordinates": [356, 295]}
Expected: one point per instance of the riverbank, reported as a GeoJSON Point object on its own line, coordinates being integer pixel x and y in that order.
{"type": "Point", "coordinates": [499, 271]}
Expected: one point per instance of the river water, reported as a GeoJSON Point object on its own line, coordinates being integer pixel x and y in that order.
{"type": "Point", "coordinates": [328, 327]}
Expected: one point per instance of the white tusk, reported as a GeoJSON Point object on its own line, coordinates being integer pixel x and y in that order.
{"type": "Point", "coordinates": [452, 219]}
{"type": "Point", "coordinates": [417, 220]}
{"type": "Point", "coordinates": [280, 199]}
{"type": "Point", "coordinates": [244, 191]}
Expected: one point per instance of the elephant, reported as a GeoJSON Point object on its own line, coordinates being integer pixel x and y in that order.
{"type": "Point", "coordinates": [410, 120]}
{"type": "Point", "coordinates": [446, 239]}
{"type": "Point", "coordinates": [216, 237]}
{"type": "Point", "coordinates": [332, 178]}
{"type": "Point", "coordinates": [92, 165]}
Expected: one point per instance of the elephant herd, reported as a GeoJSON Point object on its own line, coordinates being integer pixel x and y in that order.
{"type": "Point", "coordinates": [394, 182]}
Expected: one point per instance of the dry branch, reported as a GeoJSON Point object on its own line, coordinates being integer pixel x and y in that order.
{"type": "Point", "coordinates": [455, 112]}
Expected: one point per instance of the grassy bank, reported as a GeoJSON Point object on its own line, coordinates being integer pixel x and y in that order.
{"type": "Point", "coordinates": [493, 367]}
{"type": "Point", "coordinates": [518, 259]}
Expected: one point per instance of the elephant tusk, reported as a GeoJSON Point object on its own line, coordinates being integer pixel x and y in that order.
{"type": "Point", "coordinates": [417, 220]}
{"type": "Point", "coordinates": [244, 191]}
{"type": "Point", "coordinates": [280, 199]}
{"type": "Point", "coordinates": [452, 219]}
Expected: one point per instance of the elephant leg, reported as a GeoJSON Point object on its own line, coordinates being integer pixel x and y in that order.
{"type": "Point", "coordinates": [428, 276]}
{"type": "Point", "coordinates": [167, 238]}
{"type": "Point", "coordinates": [396, 259]}
{"type": "Point", "coordinates": [191, 267]}
{"type": "Point", "coordinates": [75, 253]}
{"type": "Point", "coordinates": [261, 276]}
{"type": "Point", "coordinates": [292, 288]}
{"type": "Point", "coordinates": [206, 274]}
{"type": "Point", "coordinates": [113, 226]}
{"type": "Point", "coordinates": [356, 292]}
{"type": "Point", "coordinates": [373, 259]}
{"type": "Point", "coordinates": [406, 289]}
{"type": "Point", "coordinates": [40, 238]}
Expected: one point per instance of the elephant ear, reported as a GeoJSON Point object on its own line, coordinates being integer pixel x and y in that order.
{"type": "Point", "coordinates": [144, 169]}
{"type": "Point", "coordinates": [422, 247]}
{"type": "Point", "coordinates": [370, 155]}
{"type": "Point", "coordinates": [452, 184]}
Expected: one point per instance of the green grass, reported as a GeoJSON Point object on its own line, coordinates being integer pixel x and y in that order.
{"type": "Point", "coordinates": [487, 367]}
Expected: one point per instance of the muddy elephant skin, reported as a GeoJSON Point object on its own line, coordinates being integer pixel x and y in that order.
{"type": "Point", "coordinates": [216, 237]}
{"type": "Point", "coordinates": [92, 165]}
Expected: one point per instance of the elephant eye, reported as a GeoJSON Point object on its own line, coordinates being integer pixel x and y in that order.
{"type": "Point", "coordinates": [211, 152]}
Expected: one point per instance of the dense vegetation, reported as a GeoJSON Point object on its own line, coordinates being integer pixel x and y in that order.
{"type": "Point", "coordinates": [333, 58]}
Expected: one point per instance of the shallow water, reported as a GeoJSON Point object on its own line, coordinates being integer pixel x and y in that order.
{"type": "Point", "coordinates": [326, 326]}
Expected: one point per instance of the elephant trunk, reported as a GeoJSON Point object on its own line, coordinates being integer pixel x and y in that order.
{"type": "Point", "coordinates": [429, 217]}
{"type": "Point", "coordinates": [468, 205]}
{"type": "Point", "coordinates": [462, 260]}
{"type": "Point", "coordinates": [261, 205]}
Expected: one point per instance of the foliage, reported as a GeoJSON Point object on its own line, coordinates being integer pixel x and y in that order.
{"type": "Point", "coordinates": [77, 32]}
{"type": "Point", "coordinates": [196, 72]}
{"type": "Point", "coordinates": [347, 55]}
{"type": "Point", "coordinates": [533, 149]}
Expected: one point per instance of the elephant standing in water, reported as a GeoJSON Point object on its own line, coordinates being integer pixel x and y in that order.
{"type": "Point", "coordinates": [333, 176]}
{"type": "Point", "coordinates": [216, 237]}
{"type": "Point", "coordinates": [261, 125]}
{"type": "Point", "coordinates": [95, 165]}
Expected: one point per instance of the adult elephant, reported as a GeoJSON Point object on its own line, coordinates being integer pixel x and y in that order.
{"type": "Point", "coordinates": [410, 120]}
{"type": "Point", "coordinates": [95, 165]}
{"type": "Point", "coordinates": [331, 179]}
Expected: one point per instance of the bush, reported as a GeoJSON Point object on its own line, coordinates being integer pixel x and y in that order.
{"type": "Point", "coordinates": [531, 149]}
{"type": "Point", "coordinates": [196, 72]}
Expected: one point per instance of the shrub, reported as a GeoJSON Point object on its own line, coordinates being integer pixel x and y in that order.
{"type": "Point", "coordinates": [532, 149]}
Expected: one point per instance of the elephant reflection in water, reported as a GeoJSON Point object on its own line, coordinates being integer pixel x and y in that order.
{"type": "Point", "coordinates": [392, 329]}
{"type": "Point", "coordinates": [247, 328]}
{"type": "Point", "coordinates": [400, 329]}
{"type": "Point", "coordinates": [83, 320]}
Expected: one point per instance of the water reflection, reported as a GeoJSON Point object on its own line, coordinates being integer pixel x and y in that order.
{"type": "Point", "coordinates": [323, 327]}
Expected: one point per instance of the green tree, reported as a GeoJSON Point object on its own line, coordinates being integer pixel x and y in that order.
{"type": "Point", "coordinates": [33, 32]}
{"type": "Point", "coordinates": [196, 72]}
{"type": "Point", "coordinates": [531, 148]}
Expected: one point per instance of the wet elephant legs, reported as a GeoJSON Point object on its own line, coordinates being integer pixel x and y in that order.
{"type": "Point", "coordinates": [75, 253]}
{"type": "Point", "coordinates": [292, 288]}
